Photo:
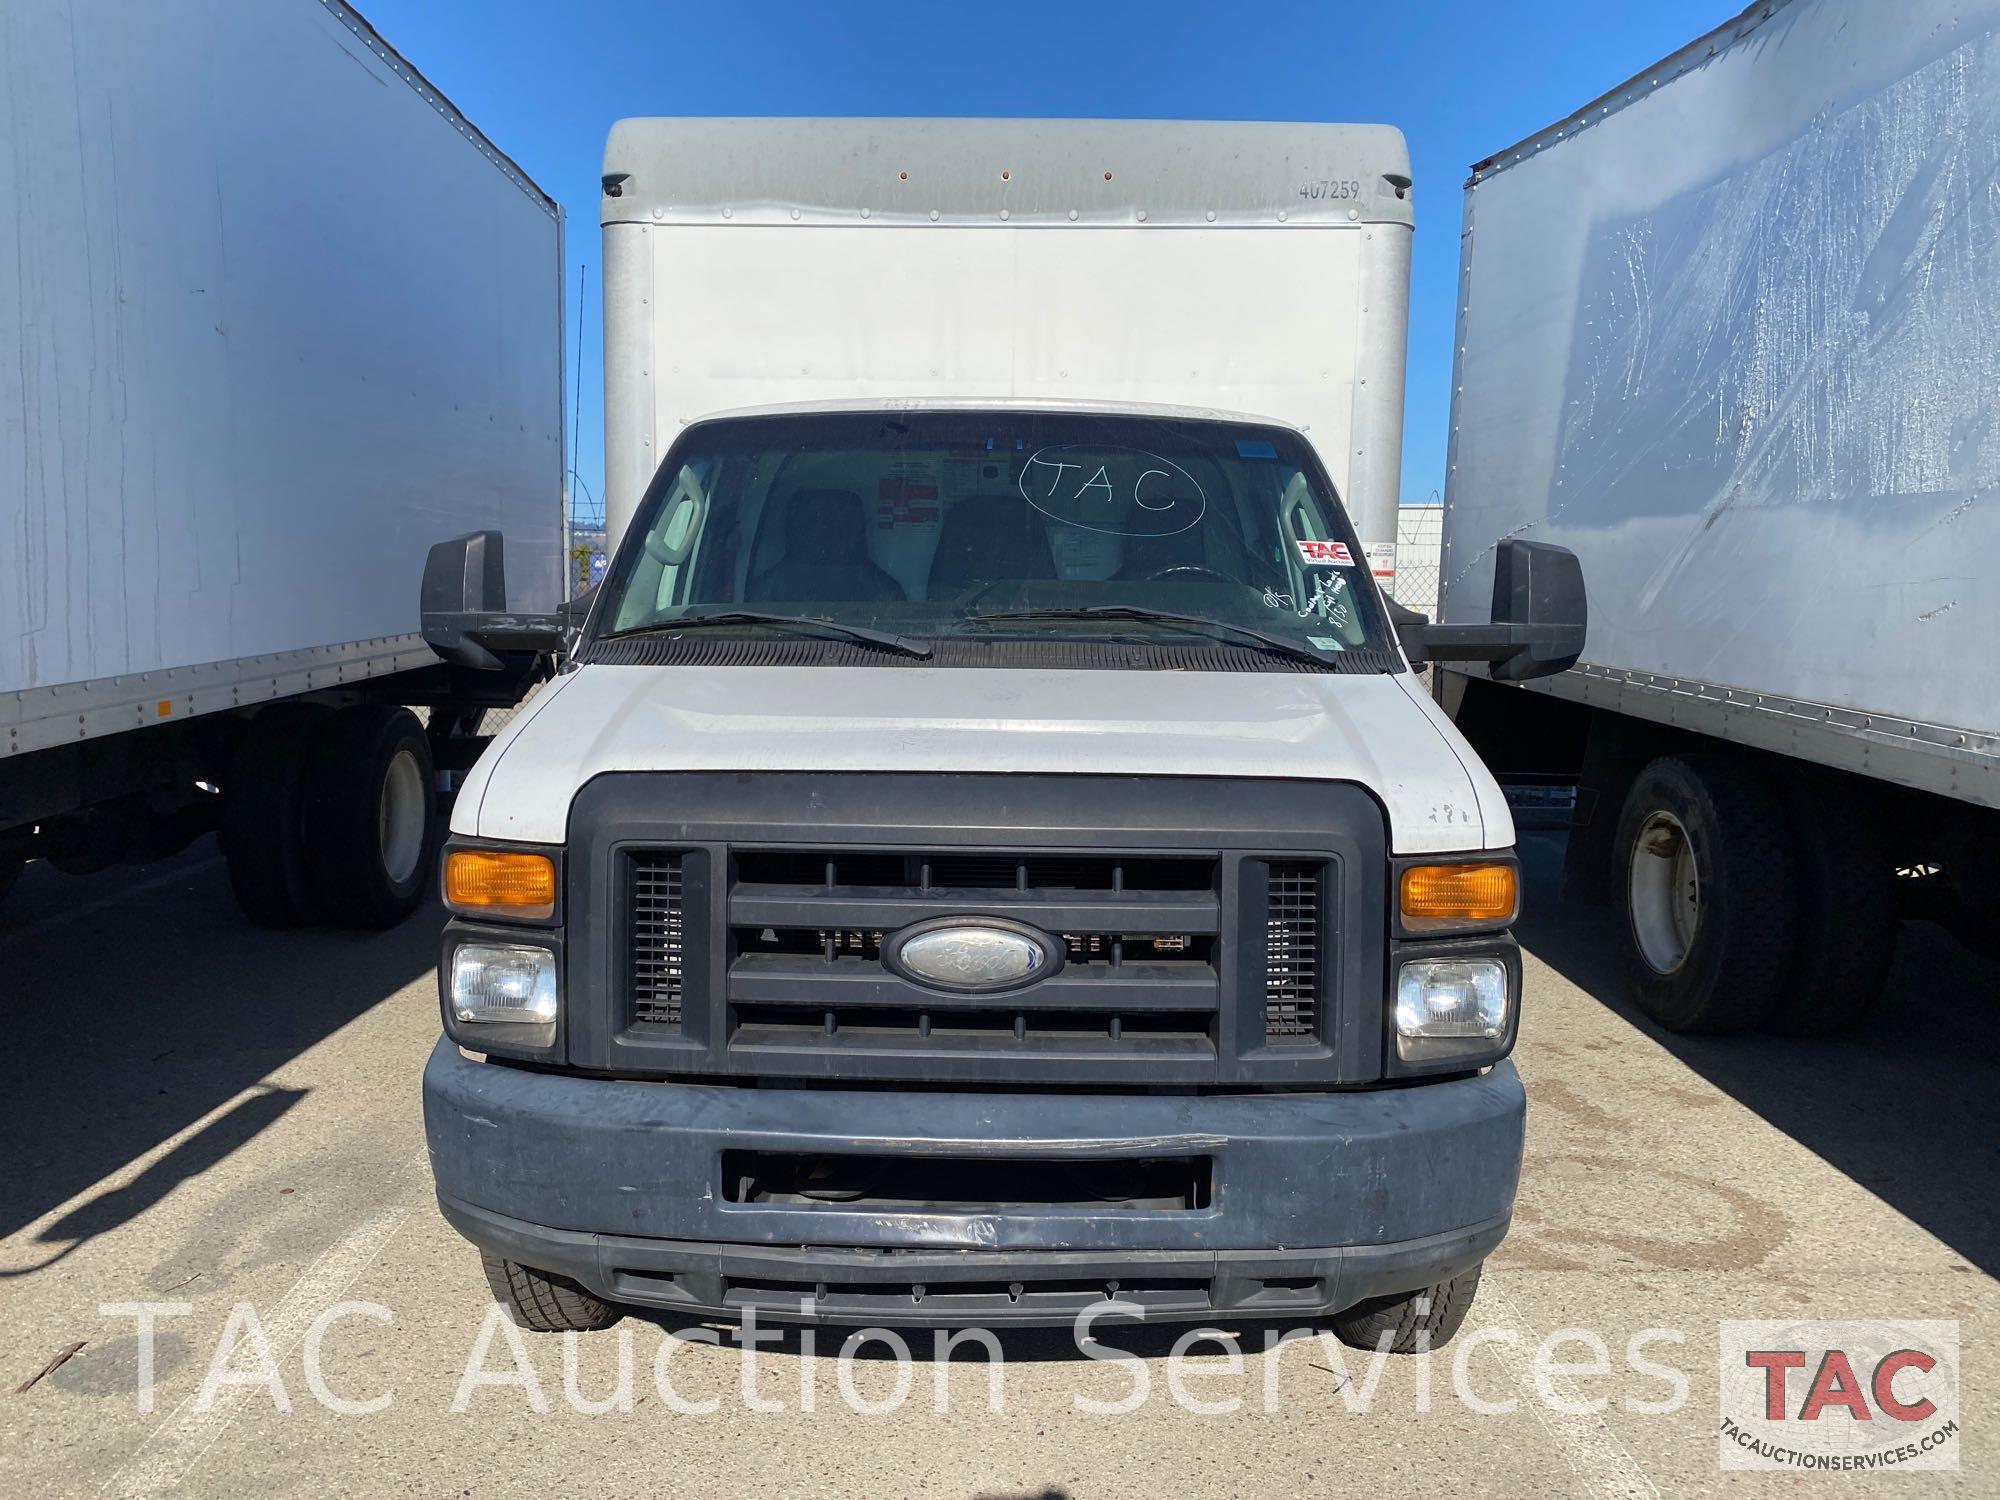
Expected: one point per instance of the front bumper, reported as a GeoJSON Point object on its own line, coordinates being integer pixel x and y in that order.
{"type": "Point", "coordinates": [1318, 1200]}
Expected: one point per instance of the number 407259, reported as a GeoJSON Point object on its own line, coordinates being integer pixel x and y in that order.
{"type": "Point", "coordinates": [1335, 188]}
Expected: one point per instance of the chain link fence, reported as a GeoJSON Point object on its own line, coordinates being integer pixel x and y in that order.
{"type": "Point", "coordinates": [1419, 557]}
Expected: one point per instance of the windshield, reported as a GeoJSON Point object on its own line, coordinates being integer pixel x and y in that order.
{"type": "Point", "coordinates": [924, 529]}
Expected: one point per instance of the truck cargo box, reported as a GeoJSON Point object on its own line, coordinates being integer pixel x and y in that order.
{"type": "Point", "coordinates": [277, 318]}
{"type": "Point", "coordinates": [1254, 268]}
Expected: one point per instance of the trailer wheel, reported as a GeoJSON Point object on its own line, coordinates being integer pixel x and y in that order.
{"type": "Point", "coordinates": [1427, 1318]}
{"type": "Point", "coordinates": [1847, 916]}
{"type": "Point", "coordinates": [262, 803]}
{"type": "Point", "coordinates": [1707, 894]}
{"type": "Point", "coordinates": [371, 803]}
{"type": "Point", "coordinates": [542, 1303]}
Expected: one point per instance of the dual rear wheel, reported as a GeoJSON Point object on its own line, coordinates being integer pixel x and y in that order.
{"type": "Point", "coordinates": [329, 815]}
{"type": "Point", "coordinates": [1749, 903]}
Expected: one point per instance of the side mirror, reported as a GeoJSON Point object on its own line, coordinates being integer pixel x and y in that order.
{"type": "Point", "coordinates": [464, 603]}
{"type": "Point", "coordinates": [1540, 617]}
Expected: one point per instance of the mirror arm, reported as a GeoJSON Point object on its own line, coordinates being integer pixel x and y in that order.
{"type": "Point", "coordinates": [1410, 626]}
{"type": "Point", "coordinates": [476, 639]}
{"type": "Point", "coordinates": [1498, 641]}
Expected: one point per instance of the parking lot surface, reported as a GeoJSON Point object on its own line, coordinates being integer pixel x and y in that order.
{"type": "Point", "coordinates": [202, 1114]}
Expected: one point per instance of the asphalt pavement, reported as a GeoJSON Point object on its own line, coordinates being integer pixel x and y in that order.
{"type": "Point", "coordinates": [224, 1123]}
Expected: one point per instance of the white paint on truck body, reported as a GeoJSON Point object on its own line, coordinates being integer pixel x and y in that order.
{"type": "Point", "coordinates": [1376, 730]}
{"type": "Point", "coordinates": [277, 318]}
{"type": "Point", "coordinates": [1244, 267]}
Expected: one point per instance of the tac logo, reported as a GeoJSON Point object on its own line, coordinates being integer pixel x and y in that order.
{"type": "Point", "coordinates": [1839, 1396]}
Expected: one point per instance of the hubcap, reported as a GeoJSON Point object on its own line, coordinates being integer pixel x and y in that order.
{"type": "Point", "coordinates": [399, 822]}
{"type": "Point", "coordinates": [1663, 893]}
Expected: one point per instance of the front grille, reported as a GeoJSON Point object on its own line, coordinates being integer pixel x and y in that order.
{"type": "Point", "coordinates": [1291, 951]}
{"type": "Point", "coordinates": [657, 938]}
{"type": "Point", "coordinates": [1210, 932]}
{"type": "Point", "coordinates": [807, 928]}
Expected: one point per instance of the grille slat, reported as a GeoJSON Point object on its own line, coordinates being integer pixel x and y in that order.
{"type": "Point", "coordinates": [1292, 943]}
{"type": "Point", "coordinates": [657, 939]}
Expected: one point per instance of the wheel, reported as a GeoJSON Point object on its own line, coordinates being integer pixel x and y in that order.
{"type": "Point", "coordinates": [542, 1303]}
{"type": "Point", "coordinates": [371, 802]}
{"type": "Point", "coordinates": [1427, 1318]}
{"type": "Point", "coordinates": [262, 803]}
{"type": "Point", "coordinates": [1707, 895]}
{"type": "Point", "coordinates": [1847, 917]}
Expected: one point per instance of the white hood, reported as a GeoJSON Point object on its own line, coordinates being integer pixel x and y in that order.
{"type": "Point", "coordinates": [1378, 731]}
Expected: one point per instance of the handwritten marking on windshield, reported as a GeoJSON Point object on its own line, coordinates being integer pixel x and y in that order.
{"type": "Point", "coordinates": [1115, 490]}
{"type": "Point", "coordinates": [1325, 602]}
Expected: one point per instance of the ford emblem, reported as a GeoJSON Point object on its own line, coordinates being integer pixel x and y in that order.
{"type": "Point", "coordinates": [972, 955]}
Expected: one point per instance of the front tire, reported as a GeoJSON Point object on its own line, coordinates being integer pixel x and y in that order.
{"type": "Point", "coordinates": [542, 1303]}
{"type": "Point", "coordinates": [370, 811]}
{"type": "Point", "coordinates": [1427, 1318]}
{"type": "Point", "coordinates": [1707, 893]}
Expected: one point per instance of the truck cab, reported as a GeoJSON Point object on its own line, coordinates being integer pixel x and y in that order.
{"type": "Point", "coordinates": [983, 858]}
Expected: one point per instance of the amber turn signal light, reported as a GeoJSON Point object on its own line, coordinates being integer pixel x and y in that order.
{"type": "Point", "coordinates": [500, 883]}
{"type": "Point", "coordinates": [1442, 898]}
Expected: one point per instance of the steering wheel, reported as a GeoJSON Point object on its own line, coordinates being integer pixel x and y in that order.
{"type": "Point", "coordinates": [1187, 570]}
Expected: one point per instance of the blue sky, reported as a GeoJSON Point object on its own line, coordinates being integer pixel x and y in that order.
{"type": "Point", "coordinates": [1461, 77]}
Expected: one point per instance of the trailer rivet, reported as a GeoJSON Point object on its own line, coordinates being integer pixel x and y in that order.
{"type": "Point", "coordinates": [934, 214]}
{"type": "Point", "coordinates": [1003, 214]}
{"type": "Point", "coordinates": [1211, 216]}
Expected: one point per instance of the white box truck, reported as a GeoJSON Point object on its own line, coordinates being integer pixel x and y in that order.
{"type": "Point", "coordinates": [1730, 333]}
{"type": "Point", "coordinates": [987, 856]}
{"type": "Point", "coordinates": [276, 316]}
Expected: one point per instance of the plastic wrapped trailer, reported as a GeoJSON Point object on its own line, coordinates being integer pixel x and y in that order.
{"type": "Point", "coordinates": [1731, 333]}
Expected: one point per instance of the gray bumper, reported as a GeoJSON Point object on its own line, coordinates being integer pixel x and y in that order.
{"type": "Point", "coordinates": [1318, 1200]}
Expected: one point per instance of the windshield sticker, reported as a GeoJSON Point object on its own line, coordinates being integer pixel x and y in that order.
{"type": "Point", "coordinates": [1325, 555]}
{"type": "Point", "coordinates": [1250, 448]}
{"type": "Point", "coordinates": [1118, 491]}
{"type": "Point", "coordinates": [1326, 643]}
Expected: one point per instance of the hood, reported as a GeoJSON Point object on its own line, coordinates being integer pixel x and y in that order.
{"type": "Point", "coordinates": [1379, 731]}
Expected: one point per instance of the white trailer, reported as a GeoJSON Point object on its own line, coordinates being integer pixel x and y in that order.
{"type": "Point", "coordinates": [279, 318]}
{"type": "Point", "coordinates": [1731, 334]}
{"type": "Point", "coordinates": [1239, 267]}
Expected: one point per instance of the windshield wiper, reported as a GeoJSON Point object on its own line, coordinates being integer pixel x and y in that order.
{"type": "Point", "coordinates": [887, 640]}
{"type": "Point", "coordinates": [1258, 639]}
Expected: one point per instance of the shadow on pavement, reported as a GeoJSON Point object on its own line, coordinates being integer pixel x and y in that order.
{"type": "Point", "coordinates": [1906, 1104]}
{"type": "Point", "coordinates": [139, 1001]}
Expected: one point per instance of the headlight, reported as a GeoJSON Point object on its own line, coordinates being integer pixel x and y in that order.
{"type": "Point", "coordinates": [1450, 1007]}
{"type": "Point", "coordinates": [508, 984]}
